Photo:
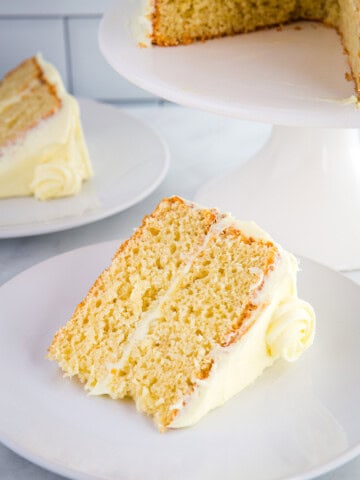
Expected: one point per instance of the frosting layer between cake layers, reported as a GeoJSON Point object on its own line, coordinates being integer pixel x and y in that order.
{"type": "Point", "coordinates": [50, 159]}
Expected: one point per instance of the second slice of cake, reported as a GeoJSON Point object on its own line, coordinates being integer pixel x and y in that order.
{"type": "Point", "coordinates": [194, 306]}
{"type": "Point", "coordinates": [42, 147]}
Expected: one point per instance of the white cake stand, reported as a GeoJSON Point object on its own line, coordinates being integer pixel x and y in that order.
{"type": "Point", "coordinates": [304, 185]}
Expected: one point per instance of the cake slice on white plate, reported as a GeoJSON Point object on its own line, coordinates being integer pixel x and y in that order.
{"type": "Point", "coordinates": [194, 306]}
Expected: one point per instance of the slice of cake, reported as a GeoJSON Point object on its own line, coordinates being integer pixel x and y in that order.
{"type": "Point", "coordinates": [175, 22]}
{"type": "Point", "coordinates": [194, 306]}
{"type": "Point", "coordinates": [42, 148]}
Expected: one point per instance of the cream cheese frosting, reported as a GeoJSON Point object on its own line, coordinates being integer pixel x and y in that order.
{"type": "Point", "coordinates": [51, 160]}
{"type": "Point", "coordinates": [141, 24]}
{"type": "Point", "coordinates": [282, 327]}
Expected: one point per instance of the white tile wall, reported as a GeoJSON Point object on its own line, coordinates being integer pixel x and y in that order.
{"type": "Point", "coordinates": [54, 7]}
{"type": "Point", "coordinates": [66, 33]}
{"type": "Point", "coordinates": [25, 37]}
{"type": "Point", "coordinates": [92, 75]}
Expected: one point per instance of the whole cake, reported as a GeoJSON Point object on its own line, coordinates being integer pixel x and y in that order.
{"type": "Point", "coordinates": [175, 22]}
{"type": "Point", "coordinates": [42, 148]}
{"type": "Point", "coordinates": [194, 306]}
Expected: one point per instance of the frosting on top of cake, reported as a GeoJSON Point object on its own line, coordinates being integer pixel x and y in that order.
{"type": "Point", "coordinates": [141, 24]}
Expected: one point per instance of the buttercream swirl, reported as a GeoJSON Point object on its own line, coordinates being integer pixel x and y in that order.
{"type": "Point", "coordinates": [56, 179]}
{"type": "Point", "coordinates": [292, 330]}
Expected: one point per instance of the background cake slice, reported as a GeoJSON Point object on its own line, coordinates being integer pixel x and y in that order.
{"type": "Point", "coordinates": [193, 307]}
{"type": "Point", "coordinates": [42, 148]}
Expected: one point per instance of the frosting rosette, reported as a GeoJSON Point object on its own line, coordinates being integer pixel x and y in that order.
{"type": "Point", "coordinates": [56, 179]}
{"type": "Point", "coordinates": [292, 330]}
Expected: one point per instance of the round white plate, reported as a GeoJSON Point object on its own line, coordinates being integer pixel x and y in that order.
{"type": "Point", "coordinates": [129, 159]}
{"type": "Point", "coordinates": [297, 420]}
{"type": "Point", "coordinates": [288, 77]}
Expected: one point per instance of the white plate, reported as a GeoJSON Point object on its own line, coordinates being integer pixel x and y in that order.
{"type": "Point", "coordinates": [297, 421]}
{"type": "Point", "coordinates": [129, 159]}
{"type": "Point", "coordinates": [288, 77]}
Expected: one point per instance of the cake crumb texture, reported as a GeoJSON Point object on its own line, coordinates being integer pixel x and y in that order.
{"type": "Point", "coordinates": [141, 272]}
{"type": "Point", "coordinates": [207, 309]}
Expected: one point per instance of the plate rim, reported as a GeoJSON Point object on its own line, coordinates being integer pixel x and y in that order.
{"type": "Point", "coordinates": [75, 474]}
{"type": "Point", "coordinates": [74, 221]}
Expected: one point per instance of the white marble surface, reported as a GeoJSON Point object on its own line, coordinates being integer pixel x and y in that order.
{"type": "Point", "coordinates": [202, 146]}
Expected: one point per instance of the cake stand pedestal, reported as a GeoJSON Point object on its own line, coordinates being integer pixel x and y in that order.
{"type": "Point", "coordinates": [304, 185]}
{"type": "Point", "coordinates": [304, 188]}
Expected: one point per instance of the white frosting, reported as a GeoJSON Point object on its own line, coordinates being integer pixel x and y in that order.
{"type": "Point", "coordinates": [292, 330]}
{"type": "Point", "coordinates": [51, 160]}
{"type": "Point", "coordinates": [141, 25]}
{"type": "Point", "coordinates": [351, 100]}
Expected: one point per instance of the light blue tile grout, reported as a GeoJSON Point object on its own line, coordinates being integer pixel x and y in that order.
{"type": "Point", "coordinates": [68, 60]}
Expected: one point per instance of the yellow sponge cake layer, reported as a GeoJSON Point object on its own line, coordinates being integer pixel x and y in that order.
{"type": "Point", "coordinates": [191, 310]}
{"type": "Point", "coordinates": [180, 22]}
{"type": "Point", "coordinates": [25, 76]}
{"type": "Point", "coordinates": [39, 103]}
{"type": "Point", "coordinates": [349, 28]}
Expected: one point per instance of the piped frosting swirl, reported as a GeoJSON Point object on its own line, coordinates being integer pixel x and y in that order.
{"type": "Point", "coordinates": [292, 330]}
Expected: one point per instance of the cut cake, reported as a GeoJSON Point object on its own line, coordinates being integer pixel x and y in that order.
{"type": "Point", "coordinates": [42, 148]}
{"type": "Point", "coordinates": [194, 306]}
{"type": "Point", "coordinates": [175, 22]}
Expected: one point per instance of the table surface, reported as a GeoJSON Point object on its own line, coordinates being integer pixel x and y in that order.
{"type": "Point", "coordinates": [202, 146]}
